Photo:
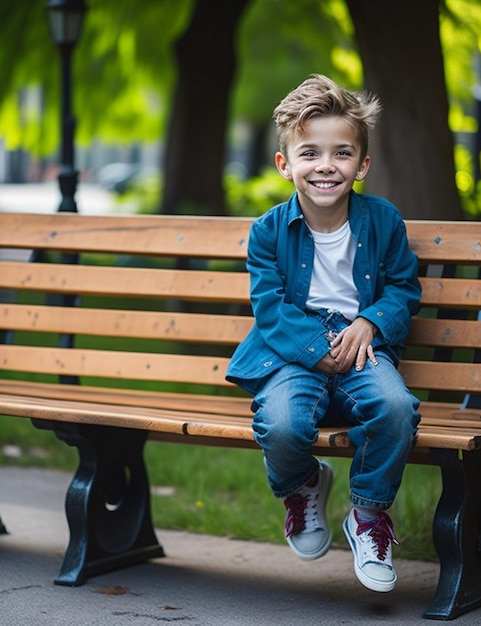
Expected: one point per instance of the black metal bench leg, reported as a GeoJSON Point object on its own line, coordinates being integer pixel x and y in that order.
{"type": "Point", "coordinates": [107, 503]}
{"type": "Point", "coordinates": [457, 539]}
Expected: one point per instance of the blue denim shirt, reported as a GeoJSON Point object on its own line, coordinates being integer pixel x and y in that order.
{"type": "Point", "coordinates": [280, 261]}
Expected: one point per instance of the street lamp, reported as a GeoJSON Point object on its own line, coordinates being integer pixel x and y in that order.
{"type": "Point", "coordinates": [66, 19]}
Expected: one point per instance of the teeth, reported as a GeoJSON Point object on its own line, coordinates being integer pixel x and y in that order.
{"type": "Point", "coordinates": [325, 185]}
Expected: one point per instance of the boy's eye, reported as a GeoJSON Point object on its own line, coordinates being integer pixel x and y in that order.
{"type": "Point", "coordinates": [309, 154]}
{"type": "Point", "coordinates": [343, 153]}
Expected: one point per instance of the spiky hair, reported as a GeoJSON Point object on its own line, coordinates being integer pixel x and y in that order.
{"type": "Point", "coordinates": [319, 96]}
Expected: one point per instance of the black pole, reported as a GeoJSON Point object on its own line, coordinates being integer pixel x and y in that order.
{"type": "Point", "coordinates": [66, 20]}
{"type": "Point", "coordinates": [68, 175]}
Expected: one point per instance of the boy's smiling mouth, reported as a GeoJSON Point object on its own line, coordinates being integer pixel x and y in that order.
{"type": "Point", "coordinates": [320, 185]}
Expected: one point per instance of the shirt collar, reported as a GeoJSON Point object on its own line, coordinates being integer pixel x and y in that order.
{"type": "Point", "coordinates": [294, 211]}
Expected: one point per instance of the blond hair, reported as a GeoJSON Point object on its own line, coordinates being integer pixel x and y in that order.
{"type": "Point", "coordinates": [319, 96]}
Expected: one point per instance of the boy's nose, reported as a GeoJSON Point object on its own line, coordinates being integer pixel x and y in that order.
{"type": "Point", "coordinates": [325, 166]}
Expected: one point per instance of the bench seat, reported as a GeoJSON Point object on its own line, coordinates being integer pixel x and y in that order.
{"type": "Point", "coordinates": [444, 425]}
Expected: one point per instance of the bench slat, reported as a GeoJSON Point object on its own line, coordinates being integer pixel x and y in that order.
{"type": "Point", "coordinates": [433, 241]}
{"type": "Point", "coordinates": [204, 328]}
{"type": "Point", "coordinates": [192, 402]}
{"type": "Point", "coordinates": [90, 413]}
{"type": "Point", "coordinates": [455, 293]}
{"type": "Point", "coordinates": [449, 411]}
{"type": "Point", "coordinates": [186, 327]}
{"type": "Point", "coordinates": [152, 235]}
{"type": "Point", "coordinates": [152, 419]}
{"type": "Point", "coordinates": [445, 333]}
{"type": "Point", "coordinates": [463, 377]}
{"type": "Point", "coordinates": [187, 284]}
{"type": "Point", "coordinates": [184, 423]}
{"type": "Point", "coordinates": [203, 370]}
{"type": "Point", "coordinates": [448, 438]}
{"type": "Point", "coordinates": [443, 242]}
{"type": "Point", "coordinates": [442, 412]}
{"type": "Point", "coordinates": [120, 281]}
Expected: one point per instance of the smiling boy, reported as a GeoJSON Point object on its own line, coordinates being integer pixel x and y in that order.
{"type": "Point", "coordinates": [333, 289]}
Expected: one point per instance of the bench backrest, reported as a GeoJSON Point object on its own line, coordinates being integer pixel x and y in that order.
{"type": "Point", "coordinates": [162, 301]}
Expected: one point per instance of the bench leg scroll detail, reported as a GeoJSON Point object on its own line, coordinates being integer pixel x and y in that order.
{"type": "Point", "coordinates": [457, 535]}
{"type": "Point", "coordinates": [107, 503]}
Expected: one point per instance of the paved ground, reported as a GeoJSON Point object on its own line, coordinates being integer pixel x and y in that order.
{"type": "Point", "coordinates": [203, 581]}
{"type": "Point", "coordinates": [45, 198]}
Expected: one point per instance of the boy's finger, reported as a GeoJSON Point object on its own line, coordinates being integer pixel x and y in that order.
{"type": "Point", "coordinates": [371, 355]}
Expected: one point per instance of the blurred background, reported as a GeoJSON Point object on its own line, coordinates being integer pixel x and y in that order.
{"type": "Point", "coordinates": [171, 102]}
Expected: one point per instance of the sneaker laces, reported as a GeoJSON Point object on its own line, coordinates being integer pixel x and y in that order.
{"type": "Point", "coordinates": [301, 513]}
{"type": "Point", "coordinates": [381, 531]}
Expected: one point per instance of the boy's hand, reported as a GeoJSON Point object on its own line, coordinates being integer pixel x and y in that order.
{"type": "Point", "coordinates": [352, 347]}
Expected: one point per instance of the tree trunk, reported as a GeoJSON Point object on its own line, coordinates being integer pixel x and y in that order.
{"type": "Point", "coordinates": [412, 148]}
{"type": "Point", "coordinates": [195, 148]}
{"type": "Point", "coordinates": [257, 155]}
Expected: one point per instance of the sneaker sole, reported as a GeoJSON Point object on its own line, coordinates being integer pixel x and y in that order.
{"type": "Point", "coordinates": [369, 583]}
{"type": "Point", "coordinates": [328, 474]}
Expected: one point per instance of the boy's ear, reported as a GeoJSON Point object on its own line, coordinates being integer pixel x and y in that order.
{"type": "Point", "coordinates": [282, 166]}
{"type": "Point", "coordinates": [363, 168]}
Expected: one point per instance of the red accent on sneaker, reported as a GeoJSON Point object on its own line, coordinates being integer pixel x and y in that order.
{"type": "Point", "coordinates": [381, 530]}
{"type": "Point", "coordinates": [295, 521]}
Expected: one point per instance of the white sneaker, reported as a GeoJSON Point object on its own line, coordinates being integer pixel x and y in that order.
{"type": "Point", "coordinates": [371, 545]}
{"type": "Point", "coordinates": [306, 527]}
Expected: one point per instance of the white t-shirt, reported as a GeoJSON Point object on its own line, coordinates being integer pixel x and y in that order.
{"type": "Point", "coordinates": [332, 285]}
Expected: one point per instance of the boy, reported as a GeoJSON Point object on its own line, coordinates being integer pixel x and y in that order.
{"type": "Point", "coordinates": [333, 288]}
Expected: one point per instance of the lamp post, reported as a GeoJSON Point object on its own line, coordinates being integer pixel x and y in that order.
{"type": "Point", "coordinates": [66, 20]}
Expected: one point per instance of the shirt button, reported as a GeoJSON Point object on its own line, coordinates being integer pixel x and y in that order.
{"type": "Point", "coordinates": [311, 349]}
{"type": "Point", "coordinates": [359, 245]}
{"type": "Point", "coordinates": [267, 363]}
{"type": "Point", "coordinates": [303, 265]}
{"type": "Point", "coordinates": [379, 313]}
{"type": "Point", "coordinates": [367, 276]}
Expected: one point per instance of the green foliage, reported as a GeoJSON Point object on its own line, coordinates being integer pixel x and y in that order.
{"type": "Point", "coordinates": [22, 444]}
{"type": "Point", "coordinates": [245, 197]}
{"type": "Point", "coordinates": [126, 54]}
{"type": "Point", "coordinates": [26, 52]}
{"type": "Point", "coordinates": [213, 490]}
{"type": "Point", "coordinates": [469, 190]}
{"type": "Point", "coordinates": [143, 196]}
{"type": "Point", "coordinates": [124, 74]}
{"type": "Point", "coordinates": [122, 70]}
{"type": "Point", "coordinates": [460, 30]}
{"type": "Point", "coordinates": [281, 43]}
{"type": "Point", "coordinates": [255, 196]}
{"type": "Point", "coordinates": [224, 492]}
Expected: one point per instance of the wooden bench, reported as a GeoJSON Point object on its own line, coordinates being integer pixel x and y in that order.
{"type": "Point", "coordinates": [145, 311]}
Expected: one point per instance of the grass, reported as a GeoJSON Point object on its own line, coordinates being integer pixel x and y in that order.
{"type": "Point", "coordinates": [223, 491]}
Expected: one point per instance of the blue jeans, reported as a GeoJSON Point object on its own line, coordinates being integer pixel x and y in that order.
{"type": "Point", "coordinates": [375, 402]}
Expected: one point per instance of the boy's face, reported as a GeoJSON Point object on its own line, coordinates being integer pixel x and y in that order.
{"type": "Point", "coordinates": [323, 161]}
